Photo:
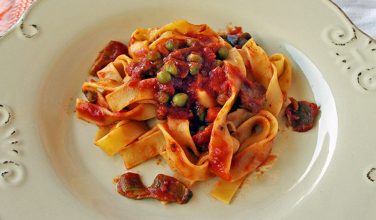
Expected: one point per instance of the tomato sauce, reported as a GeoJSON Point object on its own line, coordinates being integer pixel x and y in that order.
{"type": "Point", "coordinates": [212, 114]}
{"type": "Point", "coordinates": [211, 76]}
{"type": "Point", "coordinates": [91, 111]}
{"type": "Point", "coordinates": [108, 55]}
{"type": "Point", "coordinates": [202, 138]}
{"type": "Point", "coordinates": [219, 157]}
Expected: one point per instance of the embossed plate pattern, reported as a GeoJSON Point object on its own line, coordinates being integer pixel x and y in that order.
{"type": "Point", "coordinates": [49, 168]}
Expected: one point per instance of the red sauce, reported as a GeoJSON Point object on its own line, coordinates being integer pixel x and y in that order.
{"type": "Point", "coordinates": [218, 83]}
{"type": "Point", "coordinates": [210, 77]}
{"type": "Point", "coordinates": [162, 49]}
{"type": "Point", "coordinates": [90, 111]}
{"type": "Point", "coordinates": [202, 138]}
{"type": "Point", "coordinates": [219, 157]}
{"type": "Point", "coordinates": [108, 55]}
{"type": "Point", "coordinates": [176, 112]}
{"type": "Point", "coordinates": [162, 111]}
{"type": "Point", "coordinates": [182, 66]}
{"type": "Point", "coordinates": [148, 83]}
{"type": "Point", "coordinates": [137, 69]}
{"type": "Point", "coordinates": [212, 114]}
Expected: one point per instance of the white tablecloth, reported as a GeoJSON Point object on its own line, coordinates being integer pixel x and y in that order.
{"type": "Point", "coordinates": [362, 13]}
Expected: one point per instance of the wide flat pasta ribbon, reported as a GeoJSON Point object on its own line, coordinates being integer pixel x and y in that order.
{"type": "Point", "coordinates": [115, 70]}
{"type": "Point", "coordinates": [102, 86]}
{"type": "Point", "coordinates": [177, 158]}
{"type": "Point", "coordinates": [240, 141]}
{"type": "Point", "coordinates": [120, 136]}
{"type": "Point", "coordinates": [254, 151]}
{"type": "Point", "coordinates": [273, 73]}
{"type": "Point", "coordinates": [222, 145]}
{"type": "Point", "coordinates": [147, 146]}
{"type": "Point", "coordinates": [180, 26]}
{"type": "Point", "coordinates": [284, 71]}
{"type": "Point", "coordinates": [256, 147]}
{"type": "Point", "coordinates": [102, 116]}
{"type": "Point", "coordinates": [125, 95]}
{"type": "Point", "coordinates": [179, 129]}
{"type": "Point", "coordinates": [146, 39]}
{"type": "Point", "coordinates": [261, 69]}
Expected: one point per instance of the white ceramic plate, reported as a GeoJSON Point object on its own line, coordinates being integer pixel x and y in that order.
{"type": "Point", "coordinates": [51, 170]}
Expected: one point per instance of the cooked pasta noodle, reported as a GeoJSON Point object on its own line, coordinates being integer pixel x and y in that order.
{"type": "Point", "coordinates": [216, 101]}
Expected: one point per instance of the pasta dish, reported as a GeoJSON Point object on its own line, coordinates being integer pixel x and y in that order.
{"type": "Point", "coordinates": [206, 102]}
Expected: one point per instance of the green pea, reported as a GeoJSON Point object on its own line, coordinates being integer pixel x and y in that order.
{"type": "Point", "coordinates": [170, 45]}
{"type": "Point", "coordinates": [194, 68]}
{"type": "Point", "coordinates": [154, 55]}
{"type": "Point", "coordinates": [163, 77]}
{"type": "Point", "coordinates": [193, 57]}
{"type": "Point", "coordinates": [180, 99]}
{"type": "Point", "coordinates": [171, 68]}
{"type": "Point", "coordinates": [163, 97]}
{"type": "Point", "coordinates": [223, 53]}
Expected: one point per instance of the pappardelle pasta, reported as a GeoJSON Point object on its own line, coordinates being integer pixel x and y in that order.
{"type": "Point", "coordinates": [206, 102]}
